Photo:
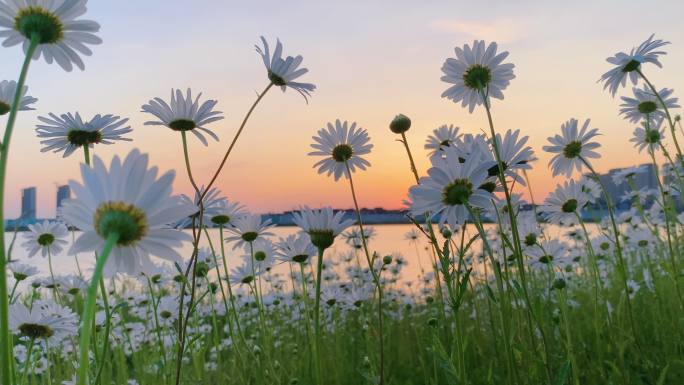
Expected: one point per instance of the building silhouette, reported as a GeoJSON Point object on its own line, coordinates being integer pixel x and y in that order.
{"type": "Point", "coordinates": [643, 180]}
{"type": "Point", "coordinates": [28, 203]}
{"type": "Point", "coordinates": [63, 192]}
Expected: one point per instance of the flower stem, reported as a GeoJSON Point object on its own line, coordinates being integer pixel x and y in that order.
{"type": "Point", "coordinates": [237, 135]}
{"type": "Point", "coordinates": [317, 314]}
{"type": "Point", "coordinates": [408, 152]}
{"type": "Point", "coordinates": [618, 247]}
{"type": "Point", "coordinates": [86, 154]}
{"type": "Point", "coordinates": [89, 309]}
{"type": "Point", "coordinates": [5, 340]}
{"type": "Point", "coordinates": [376, 277]}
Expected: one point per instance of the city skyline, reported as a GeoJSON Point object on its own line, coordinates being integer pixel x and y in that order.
{"type": "Point", "coordinates": [403, 49]}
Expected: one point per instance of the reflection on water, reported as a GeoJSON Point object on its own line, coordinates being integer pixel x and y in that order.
{"type": "Point", "coordinates": [389, 239]}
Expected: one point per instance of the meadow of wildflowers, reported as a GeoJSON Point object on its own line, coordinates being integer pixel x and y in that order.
{"type": "Point", "coordinates": [499, 299]}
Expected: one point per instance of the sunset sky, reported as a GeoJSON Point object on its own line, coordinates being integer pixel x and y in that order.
{"type": "Point", "coordinates": [369, 60]}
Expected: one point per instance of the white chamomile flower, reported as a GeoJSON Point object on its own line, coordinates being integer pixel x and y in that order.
{"type": "Point", "coordinates": [69, 132]}
{"type": "Point", "coordinates": [563, 205]}
{"type": "Point", "coordinates": [451, 186]}
{"type": "Point", "coordinates": [342, 145]}
{"type": "Point", "coordinates": [572, 148]}
{"type": "Point", "coordinates": [8, 90]}
{"type": "Point", "coordinates": [648, 136]}
{"type": "Point", "coordinates": [130, 200]}
{"type": "Point", "coordinates": [629, 64]}
{"type": "Point", "coordinates": [226, 212]}
{"type": "Point", "coordinates": [212, 203]}
{"type": "Point", "coordinates": [45, 320]}
{"type": "Point", "coordinates": [322, 225]}
{"type": "Point", "coordinates": [283, 71]}
{"type": "Point", "coordinates": [646, 104]}
{"type": "Point", "coordinates": [515, 156]}
{"type": "Point", "coordinates": [21, 271]}
{"type": "Point", "coordinates": [247, 229]}
{"type": "Point", "coordinates": [54, 25]}
{"type": "Point", "coordinates": [45, 237]}
{"type": "Point", "coordinates": [183, 113]}
{"type": "Point", "coordinates": [476, 71]}
{"type": "Point", "coordinates": [441, 137]}
{"type": "Point", "coordinates": [296, 248]}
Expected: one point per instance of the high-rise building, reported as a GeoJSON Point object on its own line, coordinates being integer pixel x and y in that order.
{"type": "Point", "coordinates": [28, 203]}
{"type": "Point", "coordinates": [644, 179]}
{"type": "Point", "coordinates": [63, 192]}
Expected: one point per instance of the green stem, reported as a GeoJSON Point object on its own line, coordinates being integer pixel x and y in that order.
{"type": "Point", "coordinates": [317, 313]}
{"type": "Point", "coordinates": [408, 152]}
{"type": "Point", "coordinates": [89, 309]}
{"type": "Point", "coordinates": [5, 340]}
{"type": "Point", "coordinates": [618, 246]}
{"type": "Point", "coordinates": [374, 274]}
{"type": "Point", "coordinates": [86, 154]}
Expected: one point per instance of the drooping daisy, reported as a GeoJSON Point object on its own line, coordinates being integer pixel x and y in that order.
{"type": "Point", "coordinates": [591, 187]}
{"type": "Point", "coordinates": [449, 187]}
{"type": "Point", "coordinates": [648, 136]}
{"type": "Point", "coordinates": [45, 237]}
{"type": "Point", "coordinates": [342, 145]}
{"type": "Point", "coordinates": [283, 71]}
{"type": "Point", "coordinates": [130, 200]}
{"type": "Point", "coordinates": [572, 148]}
{"type": "Point", "coordinates": [69, 132]}
{"type": "Point", "coordinates": [212, 203]}
{"type": "Point", "coordinates": [322, 225]}
{"type": "Point", "coordinates": [475, 70]}
{"type": "Point", "coordinates": [626, 65]}
{"type": "Point", "coordinates": [7, 91]}
{"type": "Point", "coordinates": [646, 104]}
{"type": "Point", "coordinates": [296, 248]}
{"type": "Point", "coordinates": [443, 136]}
{"type": "Point", "coordinates": [184, 114]}
{"type": "Point", "coordinates": [565, 203]}
{"type": "Point", "coordinates": [247, 229]}
{"type": "Point", "coordinates": [45, 320]}
{"type": "Point", "coordinates": [61, 37]}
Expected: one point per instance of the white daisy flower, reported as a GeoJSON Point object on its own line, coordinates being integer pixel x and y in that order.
{"type": "Point", "coordinates": [627, 64]}
{"type": "Point", "coordinates": [449, 186]}
{"type": "Point", "coordinates": [622, 175]}
{"type": "Point", "coordinates": [226, 212]}
{"type": "Point", "coordinates": [474, 70]}
{"type": "Point", "coordinates": [8, 89]}
{"type": "Point", "coordinates": [322, 225]}
{"type": "Point", "coordinates": [184, 114]}
{"type": "Point", "coordinates": [548, 252]}
{"type": "Point", "coordinates": [412, 235]}
{"type": "Point", "coordinates": [212, 202]}
{"type": "Point", "coordinates": [572, 147]}
{"type": "Point", "coordinates": [45, 320]}
{"type": "Point", "coordinates": [72, 284]}
{"type": "Point", "coordinates": [591, 187]}
{"type": "Point", "coordinates": [564, 204]}
{"type": "Point", "coordinates": [648, 136]}
{"type": "Point", "coordinates": [283, 72]}
{"type": "Point", "coordinates": [45, 237]}
{"type": "Point", "coordinates": [443, 136]}
{"type": "Point", "coordinates": [130, 200]}
{"type": "Point", "coordinates": [245, 273]}
{"type": "Point", "coordinates": [21, 271]}
{"type": "Point", "coordinates": [514, 155]}
{"type": "Point", "coordinates": [61, 37]}
{"type": "Point", "coordinates": [342, 145]}
{"type": "Point", "coordinates": [296, 248]}
{"type": "Point", "coordinates": [69, 132]}
{"type": "Point", "coordinates": [646, 104]}
{"type": "Point", "coordinates": [247, 229]}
